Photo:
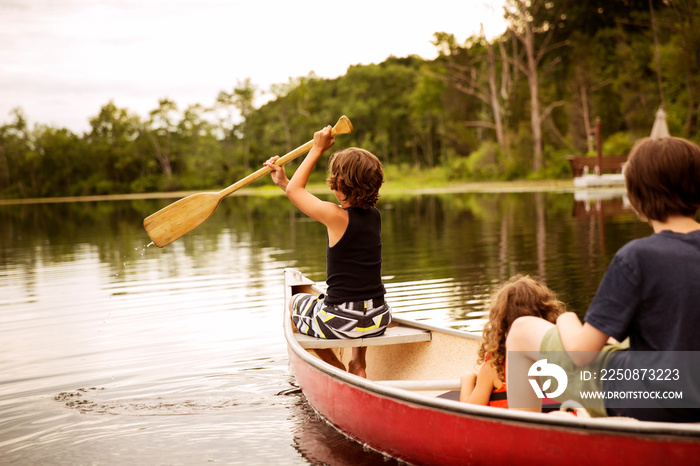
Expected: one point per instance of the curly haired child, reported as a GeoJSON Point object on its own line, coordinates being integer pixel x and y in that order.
{"type": "Point", "coordinates": [520, 296]}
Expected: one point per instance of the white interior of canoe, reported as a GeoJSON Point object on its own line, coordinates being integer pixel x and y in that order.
{"type": "Point", "coordinates": [411, 356]}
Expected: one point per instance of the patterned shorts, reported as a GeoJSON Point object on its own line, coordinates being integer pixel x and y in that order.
{"type": "Point", "coordinates": [312, 316]}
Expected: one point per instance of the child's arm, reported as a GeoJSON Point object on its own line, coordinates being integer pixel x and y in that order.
{"type": "Point", "coordinates": [328, 213]}
{"type": "Point", "coordinates": [468, 384]}
{"type": "Point", "coordinates": [481, 392]}
{"type": "Point", "coordinates": [581, 341]}
{"type": "Point", "coordinates": [296, 189]}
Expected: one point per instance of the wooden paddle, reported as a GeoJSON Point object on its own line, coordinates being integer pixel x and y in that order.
{"type": "Point", "coordinates": [183, 216]}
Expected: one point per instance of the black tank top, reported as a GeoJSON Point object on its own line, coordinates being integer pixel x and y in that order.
{"type": "Point", "coordinates": [354, 263]}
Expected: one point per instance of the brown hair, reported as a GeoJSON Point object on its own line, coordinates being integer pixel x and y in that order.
{"type": "Point", "coordinates": [663, 178]}
{"type": "Point", "coordinates": [519, 296]}
{"type": "Point", "coordinates": [357, 174]}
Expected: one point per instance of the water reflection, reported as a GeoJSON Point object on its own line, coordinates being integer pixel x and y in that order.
{"type": "Point", "coordinates": [191, 336]}
{"type": "Point", "coordinates": [601, 202]}
{"type": "Point", "coordinates": [320, 443]}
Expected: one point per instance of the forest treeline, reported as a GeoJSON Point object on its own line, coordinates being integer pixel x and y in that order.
{"type": "Point", "coordinates": [513, 106]}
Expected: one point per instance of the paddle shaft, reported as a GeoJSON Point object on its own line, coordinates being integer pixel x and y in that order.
{"type": "Point", "coordinates": [183, 216]}
{"type": "Point", "coordinates": [342, 127]}
{"type": "Point", "coordinates": [265, 170]}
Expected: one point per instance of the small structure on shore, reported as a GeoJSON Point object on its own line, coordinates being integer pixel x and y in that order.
{"type": "Point", "coordinates": [660, 128]}
{"type": "Point", "coordinates": [615, 164]}
{"type": "Point", "coordinates": [583, 166]}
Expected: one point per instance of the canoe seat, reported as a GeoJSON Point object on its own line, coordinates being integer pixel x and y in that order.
{"type": "Point", "coordinates": [392, 336]}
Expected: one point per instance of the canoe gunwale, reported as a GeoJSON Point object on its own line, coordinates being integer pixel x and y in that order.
{"type": "Point", "coordinates": [533, 420]}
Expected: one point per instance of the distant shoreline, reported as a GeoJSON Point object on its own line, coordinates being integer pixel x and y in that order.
{"type": "Point", "coordinates": [475, 187]}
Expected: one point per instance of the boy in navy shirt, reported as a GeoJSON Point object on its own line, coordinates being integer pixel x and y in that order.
{"type": "Point", "coordinates": [650, 293]}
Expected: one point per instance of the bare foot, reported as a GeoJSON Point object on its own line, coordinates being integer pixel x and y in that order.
{"type": "Point", "coordinates": [358, 363]}
{"type": "Point", "coordinates": [357, 369]}
{"type": "Point", "coordinates": [327, 355]}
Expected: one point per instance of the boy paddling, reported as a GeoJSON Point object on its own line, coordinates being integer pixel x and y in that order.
{"type": "Point", "coordinates": [353, 305]}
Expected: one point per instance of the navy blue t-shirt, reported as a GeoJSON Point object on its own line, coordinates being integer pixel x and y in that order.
{"type": "Point", "coordinates": [651, 294]}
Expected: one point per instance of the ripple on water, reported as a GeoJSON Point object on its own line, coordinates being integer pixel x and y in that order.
{"type": "Point", "coordinates": [95, 400]}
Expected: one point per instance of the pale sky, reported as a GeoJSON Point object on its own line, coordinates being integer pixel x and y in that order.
{"type": "Point", "coordinates": [62, 60]}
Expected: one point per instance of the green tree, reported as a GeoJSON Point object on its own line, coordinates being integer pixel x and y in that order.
{"type": "Point", "coordinates": [294, 110]}
{"type": "Point", "coordinates": [526, 19]}
{"type": "Point", "coordinates": [160, 130]}
{"type": "Point", "coordinates": [241, 100]}
{"type": "Point", "coordinates": [112, 150]}
{"type": "Point", "coordinates": [377, 98]}
{"type": "Point", "coordinates": [474, 70]}
{"type": "Point", "coordinates": [14, 145]}
{"type": "Point", "coordinates": [680, 63]}
{"type": "Point", "coordinates": [427, 116]}
{"type": "Point", "coordinates": [198, 146]}
{"type": "Point", "coordinates": [61, 154]}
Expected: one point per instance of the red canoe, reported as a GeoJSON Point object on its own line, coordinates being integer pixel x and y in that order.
{"type": "Point", "coordinates": [397, 411]}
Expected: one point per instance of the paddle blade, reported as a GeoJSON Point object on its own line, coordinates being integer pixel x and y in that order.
{"type": "Point", "coordinates": [181, 217]}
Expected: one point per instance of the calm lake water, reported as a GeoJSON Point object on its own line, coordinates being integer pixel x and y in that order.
{"type": "Point", "coordinates": [115, 352]}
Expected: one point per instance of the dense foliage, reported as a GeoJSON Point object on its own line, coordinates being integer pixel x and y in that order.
{"type": "Point", "coordinates": [510, 107]}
